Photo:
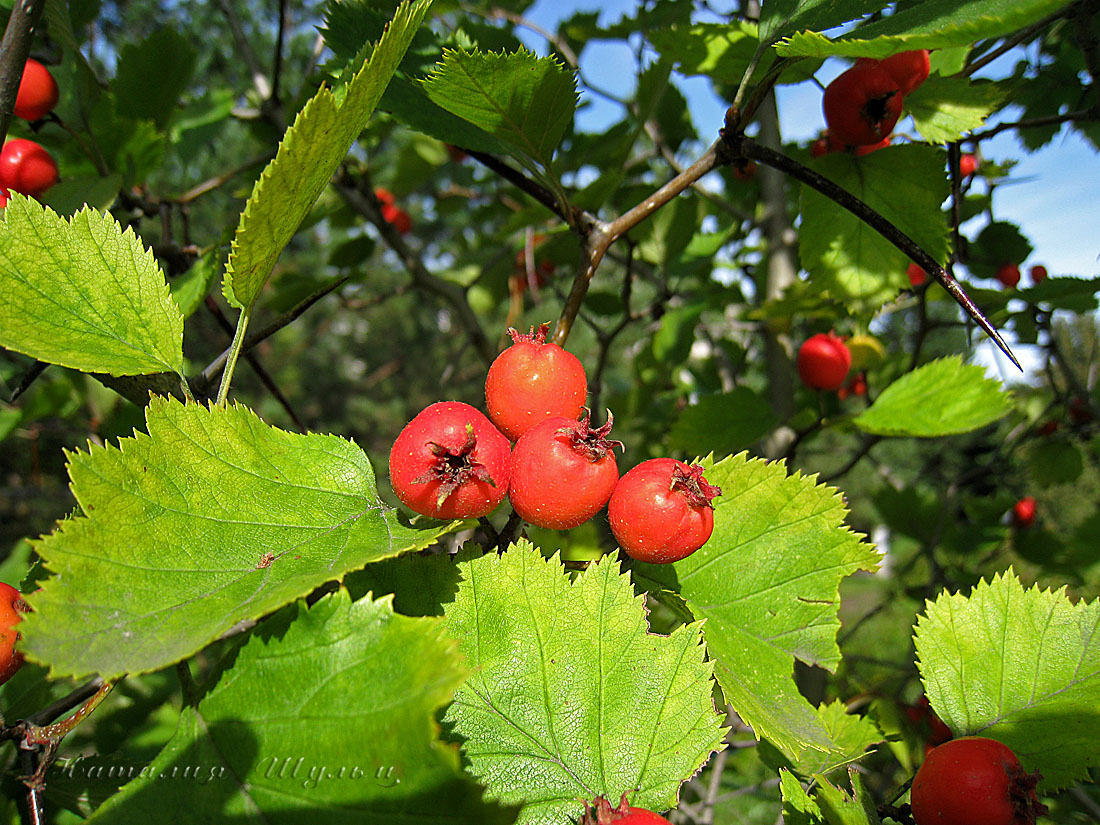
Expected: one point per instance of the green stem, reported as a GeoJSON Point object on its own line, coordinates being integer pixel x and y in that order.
{"type": "Point", "coordinates": [234, 354]}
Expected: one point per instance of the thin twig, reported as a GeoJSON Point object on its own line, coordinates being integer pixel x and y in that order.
{"type": "Point", "coordinates": [1050, 120]}
{"type": "Point", "coordinates": [14, 50]}
{"type": "Point", "coordinates": [32, 373]}
{"type": "Point", "coordinates": [220, 180]}
{"type": "Point", "coordinates": [66, 703]}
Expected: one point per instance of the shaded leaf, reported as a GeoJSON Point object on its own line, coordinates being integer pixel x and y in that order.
{"type": "Point", "coordinates": [946, 108]}
{"type": "Point", "coordinates": [722, 423]}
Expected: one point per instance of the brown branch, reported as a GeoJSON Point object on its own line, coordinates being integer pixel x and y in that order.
{"type": "Point", "coordinates": [1049, 120]}
{"type": "Point", "coordinates": [222, 179]}
{"type": "Point", "coordinates": [745, 147]}
{"type": "Point", "coordinates": [14, 50]}
{"type": "Point", "coordinates": [522, 182]}
{"type": "Point", "coordinates": [1012, 42]}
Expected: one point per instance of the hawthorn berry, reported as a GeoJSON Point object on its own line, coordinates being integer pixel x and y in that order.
{"type": "Point", "coordinates": [974, 781]}
{"type": "Point", "coordinates": [1008, 274]}
{"type": "Point", "coordinates": [820, 147]}
{"type": "Point", "coordinates": [1038, 274]}
{"type": "Point", "coordinates": [823, 361]}
{"type": "Point", "coordinates": [26, 167]}
{"type": "Point", "coordinates": [917, 275]}
{"type": "Point", "coordinates": [857, 385]}
{"type": "Point", "coordinates": [861, 151]}
{"type": "Point", "coordinates": [601, 813]}
{"type": "Point", "coordinates": [450, 462]}
{"type": "Point", "coordinates": [531, 381]}
{"type": "Point", "coordinates": [1023, 513]}
{"type": "Point", "coordinates": [563, 472]}
{"type": "Point", "coordinates": [392, 214]}
{"type": "Point", "coordinates": [661, 510]}
{"type": "Point", "coordinates": [12, 607]}
{"type": "Point", "coordinates": [38, 92]}
{"type": "Point", "coordinates": [968, 165]}
{"type": "Point", "coordinates": [862, 105]}
{"type": "Point", "coordinates": [746, 172]}
{"type": "Point", "coordinates": [908, 69]}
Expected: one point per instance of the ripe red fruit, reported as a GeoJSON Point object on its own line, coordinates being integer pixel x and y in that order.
{"type": "Point", "coordinates": [968, 165]}
{"type": "Point", "coordinates": [26, 167]}
{"type": "Point", "coordinates": [823, 361]}
{"type": "Point", "coordinates": [601, 813]}
{"type": "Point", "coordinates": [1008, 274]}
{"type": "Point", "coordinates": [908, 69]}
{"type": "Point", "coordinates": [532, 381]}
{"type": "Point", "coordinates": [746, 172]}
{"type": "Point", "coordinates": [917, 275]}
{"type": "Point", "coordinates": [1038, 274]}
{"type": "Point", "coordinates": [1023, 513]}
{"type": "Point", "coordinates": [450, 462]}
{"type": "Point", "coordinates": [37, 93]}
{"type": "Point", "coordinates": [974, 781]}
{"type": "Point", "coordinates": [391, 213]}
{"type": "Point", "coordinates": [661, 510]}
{"type": "Point", "coordinates": [563, 472]}
{"type": "Point", "coordinates": [860, 151]}
{"type": "Point", "coordinates": [857, 385]}
{"type": "Point", "coordinates": [862, 105]}
{"type": "Point", "coordinates": [12, 607]}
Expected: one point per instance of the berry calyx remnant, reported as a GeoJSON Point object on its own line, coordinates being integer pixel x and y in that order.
{"type": "Point", "coordinates": [450, 462]}
{"type": "Point", "coordinates": [601, 813]}
{"type": "Point", "coordinates": [974, 781]}
{"type": "Point", "coordinates": [862, 105]}
{"type": "Point", "coordinates": [661, 510]}
{"type": "Point", "coordinates": [533, 380]}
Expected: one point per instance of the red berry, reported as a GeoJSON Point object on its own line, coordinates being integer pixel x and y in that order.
{"type": "Point", "coordinates": [917, 275]}
{"type": "Point", "coordinates": [37, 93]}
{"type": "Point", "coordinates": [819, 147]}
{"type": "Point", "coordinates": [1038, 274]}
{"type": "Point", "coordinates": [661, 510]}
{"type": "Point", "coordinates": [563, 472]}
{"type": "Point", "coordinates": [928, 723]}
{"type": "Point", "coordinates": [862, 105]}
{"type": "Point", "coordinates": [908, 69]}
{"type": "Point", "coordinates": [450, 462]}
{"type": "Point", "coordinates": [857, 385]}
{"type": "Point", "coordinates": [601, 813]}
{"type": "Point", "coordinates": [746, 172]}
{"type": "Point", "coordinates": [385, 196]}
{"type": "Point", "coordinates": [974, 781]}
{"type": "Point", "coordinates": [823, 361]}
{"type": "Point", "coordinates": [1008, 274]}
{"type": "Point", "coordinates": [1048, 427]}
{"type": "Point", "coordinates": [532, 381]}
{"type": "Point", "coordinates": [26, 167]}
{"type": "Point", "coordinates": [860, 151]}
{"type": "Point", "coordinates": [968, 165]}
{"type": "Point", "coordinates": [12, 607]}
{"type": "Point", "coordinates": [1023, 513]}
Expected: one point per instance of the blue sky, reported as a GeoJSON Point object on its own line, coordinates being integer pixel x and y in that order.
{"type": "Point", "coordinates": [1052, 195]}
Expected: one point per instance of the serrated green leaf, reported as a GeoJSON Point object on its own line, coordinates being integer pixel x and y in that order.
{"type": "Point", "coordinates": [345, 734]}
{"type": "Point", "coordinates": [850, 736]}
{"type": "Point", "coordinates": [308, 155]}
{"type": "Point", "coordinates": [1021, 666]}
{"type": "Point", "coordinates": [724, 423]}
{"type": "Point", "coordinates": [84, 294]}
{"type": "Point", "coordinates": [998, 243]}
{"type": "Point", "coordinates": [211, 519]}
{"type": "Point", "coordinates": [778, 18]}
{"type": "Point", "coordinates": [522, 100]}
{"type": "Point", "coordinates": [841, 808]}
{"type": "Point", "coordinates": [944, 397]}
{"type": "Point", "coordinates": [799, 808]}
{"type": "Point", "coordinates": [190, 288]}
{"type": "Point", "coordinates": [945, 108]}
{"type": "Point", "coordinates": [408, 103]}
{"type": "Point", "coordinates": [718, 50]}
{"type": "Point", "coordinates": [930, 24]}
{"type": "Point", "coordinates": [571, 697]}
{"type": "Point", "coordinates": [767, 585]}
{"type": "Point", "coordinates": [904, 184]}
{"type": "Point", "coordinates": [152, 74]}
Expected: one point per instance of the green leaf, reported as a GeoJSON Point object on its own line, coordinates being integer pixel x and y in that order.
{"type": "Point", "coordinates": [766, 583]}
{"type": "Point", "coordinates": [722, 423]}
{"type": "Point", "coordinates": [930, 24]}
{"type": "Point", "coordinates": [998, 243]}
{"type": "Point", "coordinates": [152, 74]}
{"type": "Point", "coordinates": [945, 108]}
{"type": "Point", "coordinates": [841, 808]}
{"type": "Point", "coordinates": [522, 100]}
{"type": "Point", "coordinates": [308, 155]}
{"type": "Point", "coordinates": [779, 18]}
{"type": "Point", "coordinates": [211, 519]}
{"type": "Point", "coordinates": [1020, 666]}
{"type": "Point", "coordinates": [571, 697]}
{"type": "Point", "coordinates": [850, 736]}
{"type": "Point", "coordinates": [799, 808]}
{"type": "Point", "coordinates": [84, 294]}
{"type": "Point", "coordinates": [718, 50]}
{"type": "Point", "coordinates": [944, 397]}
{"type": "Point", "coordinates": [345, 734]}
{"type": "Point", "coordinates": [409, 104]}
{"type": "Point", "coordinates": [904, 184]}
{"type": "Point", "coordinates": [190, 288]}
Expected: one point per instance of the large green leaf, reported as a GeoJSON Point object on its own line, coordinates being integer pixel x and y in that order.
{"type": "Point", "coordinates": [718, 50]}
{"type": "Point", "coordinates": [944, 397]}
{"type": "Point", "coordinates": [849, 736]}
{"type": "Point", "coordinates": [767, 584]}
{"type": "Point", "coordinates": [211, 519]}
{"type": "Point", "coordinates": [309, 153]}
{"type": "Point", "coordinates": [152, 74]}
{"type": "Point", "coordinates": [522, 100]}
{"type": "Point", "coordinates": [945, 108]}
{"type": "Point", "coordinates": [1021, 666]}
{"type": "Point", "coordinates": [723, 423]}
{"type": "Point", "coordinates": [904, 184]}
{"type": "Point", "coordinates": [345, 732]}
{"type": "Point", "coordinates": [571, 696]}
{"type": "Point", "coordinates": [930, 24]}
{"type": "Point", "coordinates": [85, 294]}
{"type": "Point", "coordinates": [779, 18]}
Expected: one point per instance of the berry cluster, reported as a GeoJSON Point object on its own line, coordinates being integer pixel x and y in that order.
{"type": "Point", "coordinates": [392, 214]}
{"type": "Point", "coordinates": [862, 105]}
{"type": "Point", "coordinates": [25, 166]}
{"type": "Point", "coordinates": [451, 461]}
